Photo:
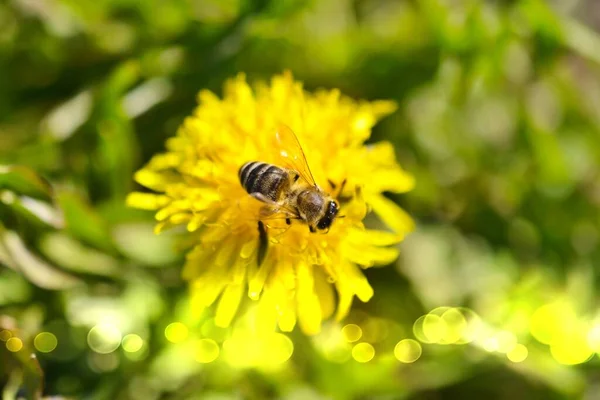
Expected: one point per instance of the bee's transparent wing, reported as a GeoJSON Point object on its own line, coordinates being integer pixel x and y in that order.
{"type": "Point", "coordinates": [274, 210]}
{"type": "Point", "coordinates": [291, 153]}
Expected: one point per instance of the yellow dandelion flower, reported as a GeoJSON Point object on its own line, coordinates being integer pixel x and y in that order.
{"type": "Point", "coordinates": [196, 184]}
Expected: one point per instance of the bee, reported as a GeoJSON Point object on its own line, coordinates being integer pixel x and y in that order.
{"type": "Point", "coordinates": [288, 191]}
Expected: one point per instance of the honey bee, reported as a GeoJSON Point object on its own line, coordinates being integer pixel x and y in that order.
{"type": "Point", "coordinates": [288, 191]}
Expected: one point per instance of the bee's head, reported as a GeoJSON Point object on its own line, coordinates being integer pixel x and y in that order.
{"type": "Point", "coordinates": [330, 213]}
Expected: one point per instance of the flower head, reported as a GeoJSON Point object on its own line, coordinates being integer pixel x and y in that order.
{"type": "Point", "coordinates": [196, 184]}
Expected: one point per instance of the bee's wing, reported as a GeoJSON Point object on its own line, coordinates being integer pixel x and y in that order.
{"type": "Point", "coordinates": [291, 153]}
{"type": "Point", "coordinates": [279, 212]}
{"type": "Point", "coordinates": [273, 210]}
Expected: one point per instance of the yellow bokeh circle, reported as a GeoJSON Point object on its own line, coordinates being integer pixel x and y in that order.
{"type": "Point", "coordinates": [439, 311]}
{"type": "Point", "coordinates": [435, 328]}
{"type": "Point", "coordinates": [176, 332]}
{"type": "Point", "coordinates": [45, 342]}
{"type": "Point", "coordinates": [506, 341]}
{"type": "Point", "coordinates": [473, 325]}
{"type": "Point", "coordinates": [593, 338]}
{"type": "Point", "coordinates": [104, 338]}
{"type": "Point", "coordinates": [352, 332]}
{"type": "Point", "coordinates": [5, 334]}
{"type": "Point", "coordinates": [456, 325]}
{"type": "Point", "coordinates": [550, 322]}
{"type": "Point", "coordinates": [132, 343]}
{"type": "Point", "coordinates": [207, 350]}
{"type": "Point", "coordinates": [408, 351]}
{"type": "Point", "coordinates": [573, 350]}
{"type": "Point", "coordinates": [418, 330]}
{"type": "Point", "coordinates": [518, 353]}
{"type": "Point", "coordinates": [281, 348]}
{"type": "Point", "coordinates": [363, 352]}
{"type": "Point", "coordinates": [14, 344]}
{"type": "Point", "coordinates": [490, 344]}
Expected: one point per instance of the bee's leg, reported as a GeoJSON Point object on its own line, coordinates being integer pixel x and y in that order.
{"type": "Point", "coordinates": [261, 197]}
{"type": "Point", "coordinates": [266, 211]}
{"type": "Point", "coordinates": [288, 221]}
{"type": "Point", "coordinates": [311, 229]}
{"type": "Point", "coordinates": [283, 230]}
{"type": "Point", "coordinates": [263, 242]}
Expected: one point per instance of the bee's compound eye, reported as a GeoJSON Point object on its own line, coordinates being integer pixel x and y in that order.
{"type": "Point", "coordinates": [324, 223]}
{"type": "Point", "coordinates": [333, 209]}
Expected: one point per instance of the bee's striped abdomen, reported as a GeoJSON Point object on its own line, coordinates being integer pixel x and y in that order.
{"type": "Point", "coordinates": [266, 179]}
{"type": "Point", "coordinates": [250, 172]}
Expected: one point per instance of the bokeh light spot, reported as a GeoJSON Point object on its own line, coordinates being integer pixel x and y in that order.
{"type": "Point", "coordinates": [69, 340]}
{"type": "Point", "coordinates": [572, 349]}
{"type": "Point", "coordinates": [132, 343]}
{"type": "Point", "coordinates": [104, 338]}
{"type": "Point", "coordinates": [557, 324]}
{"type": "Point", "coordinates": [418, 330]}
{"type": "Point", "coordinates": [332, 344]}
{"type": "Point", "coordinates": [490, 344]}
{"type": "Point", "coordinates": [593, 338]}
{"type": "Point", "coordinates": [439, 311]}
{"type": "Point", "coordinates": [207, 351]}
{"type": "Point", "coordinates": [5, 334]}
{"type": "Point", "coordinates": [456, 325]}
{"type": "Point", "coordinates": [363, 352]}
{"type": "Point", "coordinates": [176, 332]}
{"type": "Point", "coordinates": [518, 353]}
{"type": "Point", "coordinates": [549, 321]}
{"type": "Point", "coordinates": [434, 328]}
{"type": "Point", "coordinates": [241, 353]}
{"type": "Point", "coordinates": [45, 342]}
{"type": "Point", "coordinates": [103, 362]}
{"type": "Point", "coordinates": [282, 348]}
{"type": "Point", "coordinates": [352, 332]}
{"type": "Point", "coordinates": [14, 344]}
{"type": "Point", "coordinates": [473, 325]}
{"type": "Point", "coordinates": [505, 341]}
{"type": "Point", "coordinates": [408, 351]}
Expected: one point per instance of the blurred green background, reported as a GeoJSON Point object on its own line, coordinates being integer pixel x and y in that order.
{"type": "Point", "coordinates": [499, 121]}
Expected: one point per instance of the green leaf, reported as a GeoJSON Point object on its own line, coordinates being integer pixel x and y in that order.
{"type": "Point", "coordinates": [138, 242]}
{"type": "Point", "coordinates": [25, 181]}
{"type": "Point", "coordinates": [116, 151]}
{"type": "Point", "coordinates": [34, 268]}
{"type": "Point", "coordinates": [71, 254]}
{"type": "Point", "coordinates": [82, 221]}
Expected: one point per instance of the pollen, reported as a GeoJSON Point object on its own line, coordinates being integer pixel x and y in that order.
{"type": "Point", "coordinates": [304, 277]}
